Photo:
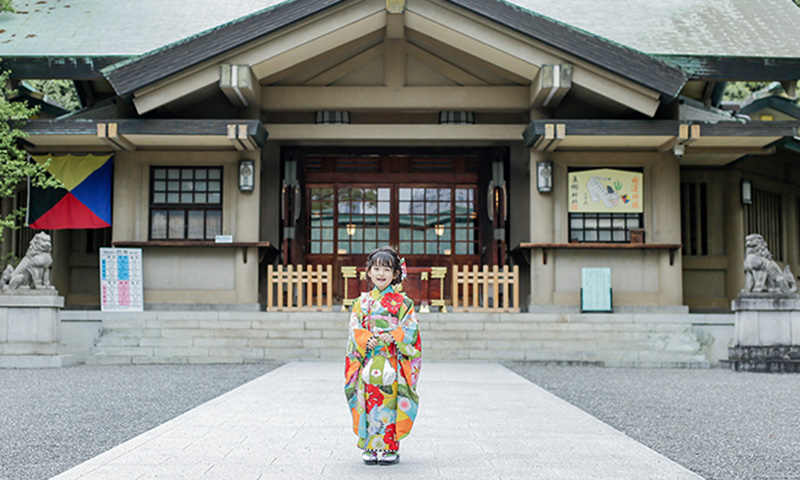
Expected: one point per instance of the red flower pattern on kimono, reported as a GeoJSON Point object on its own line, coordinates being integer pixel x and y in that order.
{"type": "Point", "coordinates": [389, 437]}
{"type": "Point", "coordinates": [374, 397]}
{"type": "Point", "coordinates": [392, 302]}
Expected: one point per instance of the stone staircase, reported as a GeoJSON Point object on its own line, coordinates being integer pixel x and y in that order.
{"type": "Point", "coordinates": [640, 340]}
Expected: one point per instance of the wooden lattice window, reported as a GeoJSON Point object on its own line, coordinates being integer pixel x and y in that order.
{"type": "Point", "coordinates": [694, 218]}
{"type": "Point", "coordinates": [765, 216]}
{"type": "Point", "coordinates": [603, 227]}
{"type": "Point", "coordinates": [185, 203]}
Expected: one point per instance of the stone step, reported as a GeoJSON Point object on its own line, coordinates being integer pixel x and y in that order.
{"type": "Point", "coordinates": [238, 337]}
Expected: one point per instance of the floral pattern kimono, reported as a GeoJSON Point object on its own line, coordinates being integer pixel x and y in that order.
{"type": "Point", "coordinates": [380, 384]}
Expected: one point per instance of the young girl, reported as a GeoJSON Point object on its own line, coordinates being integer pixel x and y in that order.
{"type": "Point", "coordinates": [383, 361]}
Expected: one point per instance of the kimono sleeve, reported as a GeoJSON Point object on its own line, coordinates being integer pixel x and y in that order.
{"type": "Point", "coordinates": [358, 335]}
{"type": "Point", "coordinates": [406, 335]}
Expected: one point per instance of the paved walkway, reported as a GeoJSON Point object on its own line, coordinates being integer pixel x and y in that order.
{"type": "Point", "coordinates": [476, 421]}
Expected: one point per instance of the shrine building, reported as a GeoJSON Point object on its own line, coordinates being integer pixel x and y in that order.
{"type": "Point", "coordinates": [471, 135]}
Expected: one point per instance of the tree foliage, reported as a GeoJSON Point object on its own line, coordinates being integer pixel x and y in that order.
{"type": "Point", "coordinates": [61, 91]}
{"type": "Point", "coordinates": [738, 91]}
{"type": "Point", "coordinates": [15, 167]}
{"type": "Point", "coordinates": [5, 6]}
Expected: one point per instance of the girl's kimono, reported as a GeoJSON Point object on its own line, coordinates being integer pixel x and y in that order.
{"type": "Point", "coordinates": [380, 384]}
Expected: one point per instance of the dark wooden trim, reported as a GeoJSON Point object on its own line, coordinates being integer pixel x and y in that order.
{"type": "Point", "coordinates": [200, 127]}
{"type": "Point", "coordinates": [188, 243]}
{"type": "Point", "coordinates": [781, 104]}
{"type": "Point", "coordinates": [199, 243]}
{"type": "Point", "coordinates": [750, 129]}
{"type": "Point", "coordinates": [636, 66]}
{"type": "Point", "coordinates": [421, 179]}
{"type": "Point", "coordinates": [71, 67]}
{"type": "Point", "coordinates": [672, 247]}
{"type": "Point", "coordinates": [699, 67]}
{"type": "Point", "coordinates": [183, 54]}
{"type": "Point", "coordinates": [659, 128]}
{"type": "Point", "coordinates": [601, 245]}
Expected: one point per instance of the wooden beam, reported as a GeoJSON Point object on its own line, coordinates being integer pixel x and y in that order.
{"type": "Point", "coordinates": [302, 72]}
{"type": "Point", "coordinates": [347, 67]}
{"type": "Point", "coordinates": [320, 45]}
{"type": "Point", "coordinates": [245, 139]}
{"type": "Point", "coordinates": [543, 142]}
{"type": "Point", "coordinates": [383, 98]}
{"type": "Point", "coordinates": [109, 134]}
{"type": "Point", "coordinates": [400, 133]}
{"type": "Point", "coordinates": [561, 133]}
{"type": "Point", "coordinates": [395, 23]}
{"type": "Point", "coordinates": [233, 137]}
{"type": "Point", "coordinates": [742, 151]}
{"type": "Point", "coordinates": [477, 66]}
{"type": "Point", "coordinates": [472, 46]}
{"type": "Point", "coordinates": [551, 85]}
{"type": "Point", "coordinates": [445, 68]}
{"type": "Point", "coordinates": [239, 85]}
{"type": "Point", "coordinates": [118, 138]}
{"type": "Point", "coordinates": [268, 57]}
{"type": "Point", "coordinates": [394, 64]}
{"type": "Point", "coordinates": [680, 139]}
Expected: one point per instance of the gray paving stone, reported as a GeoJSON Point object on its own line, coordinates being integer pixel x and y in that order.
{"type": "Point", "coordinates": [293, 423]}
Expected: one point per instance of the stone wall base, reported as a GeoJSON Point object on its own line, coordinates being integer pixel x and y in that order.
{"type": "Point", "coordinates": [37, 361]}
{"type": "Point", "coordinates": [766, 359]}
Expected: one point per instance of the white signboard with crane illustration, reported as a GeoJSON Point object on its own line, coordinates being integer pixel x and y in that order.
{"type": "Point", "coordinates": [606, 190]}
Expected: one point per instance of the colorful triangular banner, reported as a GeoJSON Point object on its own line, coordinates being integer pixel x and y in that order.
{"type": "Point", "coordinates": [85, 200]}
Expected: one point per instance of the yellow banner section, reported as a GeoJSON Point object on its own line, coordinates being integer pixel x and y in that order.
{"type": "Point", "coordinates": [71, 170]}
{"type": "Point", "coordinates": [606, 191]}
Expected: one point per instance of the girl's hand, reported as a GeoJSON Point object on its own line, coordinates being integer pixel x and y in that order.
{"type": "Point", "coordinates": [386, 337]}
{"type": "Point", "coordinates": [372, 342]}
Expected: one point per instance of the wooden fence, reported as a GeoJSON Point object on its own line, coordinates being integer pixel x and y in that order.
{"type": "Point", "coordinates": [299, 288]}
{"type": "Point", "coordinates": [485, 290]}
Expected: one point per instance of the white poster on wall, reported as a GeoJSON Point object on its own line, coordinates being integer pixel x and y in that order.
{"type": "Point", "coordinates": [121, 285]}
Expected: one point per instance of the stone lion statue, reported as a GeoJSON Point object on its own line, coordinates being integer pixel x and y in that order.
{"type": "Point", "coordinates": [762, 273]}
{"type": "Point", "coordinates": [33, 270]}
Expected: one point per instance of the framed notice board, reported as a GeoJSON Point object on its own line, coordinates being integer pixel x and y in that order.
{"type": "Point", "coordinates": [121, 285]}
{"type": "Point", "coordinates": [596, 290]}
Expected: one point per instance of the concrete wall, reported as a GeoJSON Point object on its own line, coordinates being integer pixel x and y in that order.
{"type": "Point", "coordinates": [191, 275]}
{"type": "Point", "coordinates": [711, 281]}
{"type": "Point", "coordinates": [639, 278]}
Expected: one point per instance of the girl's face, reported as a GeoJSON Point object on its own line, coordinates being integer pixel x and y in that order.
{"type": "Point", "coordinates": [381, 276]}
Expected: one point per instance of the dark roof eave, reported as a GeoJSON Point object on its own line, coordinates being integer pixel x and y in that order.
{"type": "Point", "coordinates": [726, 68]}
{"type": "Point", "coordinates": [643, 69]}
{"type": "Point", "coordinates": [59, 66]}
{"type": "Point", "coordinates": [166, 61]}
{"type": "Point", "coordinates": [776, 103]}
{"type": "Point", "coordinates": [140, 126]}
{"type": "Point", "coordinates": [536, 128]}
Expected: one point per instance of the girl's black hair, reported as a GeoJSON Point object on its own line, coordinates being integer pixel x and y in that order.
{"type": "Point", "coordinates": [387, 257]}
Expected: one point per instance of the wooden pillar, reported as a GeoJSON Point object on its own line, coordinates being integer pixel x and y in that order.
{"type": "Point", "coordinates": [734, 234]}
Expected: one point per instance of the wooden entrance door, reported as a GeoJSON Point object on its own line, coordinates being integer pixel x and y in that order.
{"type": "Point", "coordinates": [427, 206]}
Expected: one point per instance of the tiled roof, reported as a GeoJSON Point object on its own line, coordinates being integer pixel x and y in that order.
{"type": "Point", "coordinates": [94, 28]}
{"type": "Point", "coordinates": [762, 28]}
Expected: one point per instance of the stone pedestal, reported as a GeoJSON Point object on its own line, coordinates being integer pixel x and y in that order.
{"type": "Point", "coordinates": [766, 334]}
{"type": "Point", "coordinates": [29, 336]}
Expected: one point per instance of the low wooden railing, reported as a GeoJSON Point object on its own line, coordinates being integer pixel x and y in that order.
{"type": "Point", "coordinates": [299, 287]}
{"type": "Point", "coordinates": [485, 290]}
{"type": "Point", "coordinates": [425, 285]}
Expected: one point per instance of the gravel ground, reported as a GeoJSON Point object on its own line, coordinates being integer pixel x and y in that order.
{"type": "Point", "coordinates": [55, 419]}
{"type": "Point", "coordinates": [718, 423]}
{"type": "Point", "coordinates": [721, 424]}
